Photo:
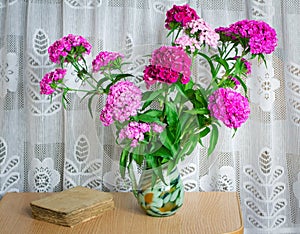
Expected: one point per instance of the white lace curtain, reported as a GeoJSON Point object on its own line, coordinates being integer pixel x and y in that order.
{"type": "Point", "coordinates": [45, 148]}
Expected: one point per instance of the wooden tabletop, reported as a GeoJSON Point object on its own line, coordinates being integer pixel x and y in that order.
{"type": "Point", "coordinates": [202, 213]}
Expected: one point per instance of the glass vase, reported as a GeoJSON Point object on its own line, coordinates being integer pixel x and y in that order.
{"type": "Point", "coordinates": [160, 199]}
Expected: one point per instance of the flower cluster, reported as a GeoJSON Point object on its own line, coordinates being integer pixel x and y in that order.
{"type": "Point", "coordinates": [261, 38]}
{"type": "Point", "coordinates": [168, 59]}
{"type": "Point", "coordinates": [123, 101]}
{"type": "Point", "coordinates": [50, 79]}
{"type": "Point", "coordinates": [180, 15]}
{"type": "Point", "coordinates": [188, 43]}
{"type": "Point", "coordinates": [153, 74]}
{"type": "Point", "coordinates": [200, 30]}
{"type": "Point", "coordinates": [68, 45]}
{"type": "Point", "coordinates": [135, 131]}
{"type": "Point", "coordinates": [104, 58]}
{"type": "Point", "coordinates": [229, 106]}
{"type": "Point", "coordinates": [246, 63]}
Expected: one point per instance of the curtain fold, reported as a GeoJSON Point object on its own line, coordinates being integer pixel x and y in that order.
{"type": "Point", "coordinates": [45, 148]}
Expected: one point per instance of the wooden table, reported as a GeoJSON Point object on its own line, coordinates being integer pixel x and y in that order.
{"type": "Point", "coordinates": [202, 212]}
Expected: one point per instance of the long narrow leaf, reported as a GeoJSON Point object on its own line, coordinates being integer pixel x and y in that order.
{"type": "Point", "coordinates": [213, 139]}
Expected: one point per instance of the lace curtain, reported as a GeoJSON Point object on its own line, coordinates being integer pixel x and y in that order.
{"type": "Point", "coordinates": [45, 148]}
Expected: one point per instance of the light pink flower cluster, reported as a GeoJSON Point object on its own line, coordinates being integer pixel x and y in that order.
{"type": "Point", "coordinates": [165, 59]}
{"type": "Point", "coordinates": [123, 100]}
{"type": "Point", "coordinates": [49, 78]}
{"type": "Point", "coordinates": [61, 48]}
{"type": "Point", "coordinates": [188, 43]}
{"type": "Point", "coordinates": [180, 14]}
{"type": "Point", "coordinates": [135, 131]}
{"type": "Point", "coordinates": [203, 32]}
{"type": "Point", "coordinates": [229, 106]}
{"type": "Point", "coordinates": [104, 58]}
{"type": "Point", "coordinates": [262, 38]}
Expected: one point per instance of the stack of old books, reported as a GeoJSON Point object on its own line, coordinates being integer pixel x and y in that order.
{"type": "Point", "coordinates": [72, 206]}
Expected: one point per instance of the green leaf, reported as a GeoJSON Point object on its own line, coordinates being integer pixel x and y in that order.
{"type": "Point", "coordinates": [163, 152]}
{"type": "Point", "coordinates": [168, 141]}
{"type": "Point", "coordinates": [223, 62]}
{"type": "Point", "coordinates": [213, 139]}
{"type": "Point", "coordinates": [201, 111]}
{"type": "Point", "coordinates": [123, 162]}
{"type": "Point", "coordinates": [101, 81]}
{"type": "Point", "coordinates": [90, 101]}
{"type": "Point", "coordinates": [204, 132]}
{"type": "Point", "coordinates": [149, 96]}
{"type": "Point", "coordinates": [171, 114]}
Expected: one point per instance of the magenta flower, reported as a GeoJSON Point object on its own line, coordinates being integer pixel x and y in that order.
{"type": "Point", "coordinates": [104, 58]}
{"type": "Point", "coordinates": [229, 106]}
{"type": "Point", "coordinates": [154, 73]}
{"type": "Point", "coordinates": [202, 32]}
{"type": "Point", "coordinates": [123, 100]}
{"type": "Point", "coordinates": [51, 78]}
{"type": "Point", "coordinates": [135, 131]}
{"type": "Point", "coordinates": [261, 38]}
{"type": "Point", "coordinates": [69, 44]}
{"type": "Point", "coordinates": [180, 14]}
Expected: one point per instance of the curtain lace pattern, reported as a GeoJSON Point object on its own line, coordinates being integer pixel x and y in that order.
{"type": "Point", "coordinates": [45, 148]}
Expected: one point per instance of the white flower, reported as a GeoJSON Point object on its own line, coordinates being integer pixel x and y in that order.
{"type": "Point", "coordinates": [42, 177]}
{"type": "Point", "coordinates": [8, 72]}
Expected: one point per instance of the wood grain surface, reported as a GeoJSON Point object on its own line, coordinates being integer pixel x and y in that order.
{"type": "Point", "coordinates": [202, 213]}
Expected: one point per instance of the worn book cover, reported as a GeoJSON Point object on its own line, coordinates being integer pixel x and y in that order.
{"type": "Point", "coordinates": [72, 206]}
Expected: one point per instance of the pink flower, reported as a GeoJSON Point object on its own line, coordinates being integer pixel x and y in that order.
{"type": "Point", "coordinates": [168, 63]}
{"type": "Point", "coordinates": [104, 58]}
{"type": "Point", "coordinates": [229, 106]}
{"type": "Point", "coordinates": [123, 100]}
{"type": "Point", "coordinates": [202, 32]}
{"type": "Point", "coordinates": [61, 48]}
{"type": "Point", "coordinates": [188, 43]}
{"type": "Point", "coordinates": [262, 38]}
{"type": "Point", "coordinates": [51, 78]}
{"type": "Point", "coordinates": [135, 131]}
{"type": "Point", "coordinates": [180, 14]}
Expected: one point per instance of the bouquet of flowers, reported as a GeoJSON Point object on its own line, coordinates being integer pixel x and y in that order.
{"type": "Point", "coordinates": [163, 123]}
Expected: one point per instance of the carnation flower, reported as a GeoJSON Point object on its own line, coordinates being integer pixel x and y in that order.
{"type": "Point", "coordinates": [188, 43]}
{"type": "Point", "coordinates": [235, 81]}
{"type": "Point", "coordinates": [261, 37]}
{"type": "Point", "coordinates": [168, 59]}
{"type": "Point", "coordinates": [123, 100]}
{"type": "Point", "coordinates": [51, 78]}
{"type": "Point", "coordinates": [154, 73]}
{"type": "Point", "coordinates": [104, 58]}
{"type": "Point", "coordinates": [135, 131]}
{"type": "Point", "coordinates": [180, 14]}
{"type": "Point", "coordinates": [61, 48]}
{"type": "Point", "coordinates": [229, 106]}
{"type": "Point", "coordinates": [202, 32]}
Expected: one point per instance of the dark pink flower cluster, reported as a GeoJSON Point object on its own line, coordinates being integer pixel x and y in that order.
{"type": "Point", "coordinates": [262, 38]}
{"type": "Point", "coordinates": [229, 106]}
{"type": "Point", "coordinates": [135, 131]}
{"type": "Point", "coordinates": [153, 74]}
{"type": "Point", "coordinates": [246, 63]}
{"type": "Point", "coordinates": [123, 100]}
{"type": "Point", "coordinates": [61, 48]}
{"type": "Point", "coordinates": [49, 78]}
{"type": "Point", "coordinates": [168, 64]}
{"type": "Point", "coordinates": [104, 58]}
{"type": "Point", "coordinates": [180, 14]}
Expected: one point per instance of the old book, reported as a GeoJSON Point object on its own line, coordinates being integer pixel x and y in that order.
{"type": "Point", "coordinates": [72, 206]}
